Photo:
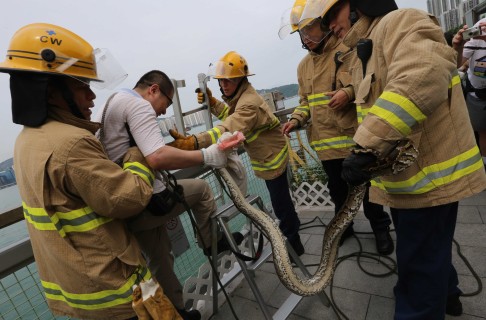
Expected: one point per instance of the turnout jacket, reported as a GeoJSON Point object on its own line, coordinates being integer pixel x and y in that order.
{"type": "Point", "coordinates": [411, 90]}
{"type": "Point", "coordinates": [330, 132]}
{"type": "Point", "coordinates": [73, 199]}
{"type": "Point", "coordinates": [248, 113]}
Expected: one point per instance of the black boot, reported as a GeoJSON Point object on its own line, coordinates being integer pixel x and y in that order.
{"type": "Point", "coordinates": [384, 242]}
{"type": "Point", "coordinates": [297, 245]}
{"type": "Point", "coordinates": [223, 244]}
{"type": "Point", "coordinates": [348, 233]}
{"type": "Point", "coordinates": [454, 305]}
{"type": "Point", "coordinates": [189, 315]}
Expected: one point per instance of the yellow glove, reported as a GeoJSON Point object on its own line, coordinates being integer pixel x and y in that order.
{"type": "Point", "coordinates": [200, 97]}
{"type": "Point", "coordinates": [183, 142]}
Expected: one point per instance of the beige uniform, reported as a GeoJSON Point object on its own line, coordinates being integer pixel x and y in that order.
{"type": "Point", "coordinates": [248, 113]}
{"type": "Point", "coordinates": [330, 132]}
{"type": "Point", "coordinates": [74, 199]}
{"type": "Point", "coordinates": [430, 110]}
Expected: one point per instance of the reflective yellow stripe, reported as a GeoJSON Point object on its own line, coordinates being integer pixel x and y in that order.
{"type": "Point", "coordinates": [361, 113]}
{"type": "Point", "coordinates": [140, 170]}
{"type": "Point", "coordinates": [435, 175]}
{"type": "Point", "coordinates": [333, 143]}
{"type": "Point", "coordinates": [224, 114]}
{"type": "Point", "coordinates": [253, 135]}
{"type": "Point", "coordinates": [79, 220]}
{"type": "Point", "coordinates": [273, 164]}
{"type": "Point", "coordinates": [456, 79]}
{"type": "Point", "coordinates": [304, 109]}
{"type": "Point", "coordinates": [398, 111]}
{"type": "Point", "coordinates": [318, 99]}
{"type": "Point", "coordinates": [96, 300]}
{"type": "Point", "coordinates": [214, 133]}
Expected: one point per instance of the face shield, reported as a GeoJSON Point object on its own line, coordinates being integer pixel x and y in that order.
{"type": "Point", "coordinates": [289, 21]}
{"type": "Point", "coordinates": [108, 71]}
{"type": "Point", "coordinates": [312, 31]}
{"type": "Point", "coordinates": [309, 24]}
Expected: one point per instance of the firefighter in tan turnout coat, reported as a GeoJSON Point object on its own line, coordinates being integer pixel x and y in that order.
{"type": "Point", "coordinates": [407, 88]}
{"type": "Point", "coordinates": [245, 110]}
{"type": "Point", "coordinates": [325, 94]}
{"type": "Point", "coordinates": [73, 196]}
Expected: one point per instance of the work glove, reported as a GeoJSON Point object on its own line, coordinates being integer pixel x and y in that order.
{"type": "Point", "coordinates": [356, 167]}
{"type": "Point", "coordinates": [200, 97]}
{"type": "Point", "coordinates": [214, 157]}
{"type": "Point", "coordinates": [183, 142]}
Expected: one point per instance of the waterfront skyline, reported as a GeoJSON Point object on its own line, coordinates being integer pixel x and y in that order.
{"type": "Point", "coordinates": [179, 38]}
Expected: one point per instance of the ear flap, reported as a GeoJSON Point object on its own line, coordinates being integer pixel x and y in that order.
{"type": "Point", "coordinates": [29, 98]}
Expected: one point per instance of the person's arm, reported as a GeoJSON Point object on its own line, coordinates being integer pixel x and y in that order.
{"type": "Point", "coordinates": [458, 45]}
{"type": "Point", "coordinates": [169, 158]}
{"type": "Point", "coordinates": [106, 188]}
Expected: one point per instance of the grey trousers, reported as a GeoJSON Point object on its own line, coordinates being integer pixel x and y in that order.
{"type": "Point", "coordinates": [152, 237]}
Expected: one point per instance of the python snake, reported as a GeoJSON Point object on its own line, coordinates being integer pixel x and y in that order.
{"type": "Point", "coordinates": [401, 158]}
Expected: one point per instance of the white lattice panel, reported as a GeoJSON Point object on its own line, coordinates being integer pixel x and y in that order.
{"type": "Point", "coordinates": [312, 195]}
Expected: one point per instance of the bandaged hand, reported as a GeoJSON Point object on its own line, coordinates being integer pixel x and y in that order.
{"type": "Point", "coordinates": [183, 142]}
{"type": "Point", "coordinates": [214, 157]}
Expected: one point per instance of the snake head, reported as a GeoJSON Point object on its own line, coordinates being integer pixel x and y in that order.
{"type": "Point", "coordinates": [400, 158]}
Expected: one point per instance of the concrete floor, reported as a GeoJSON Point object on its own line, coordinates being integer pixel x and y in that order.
{"type": "Point", "coordinates": [358, 295]}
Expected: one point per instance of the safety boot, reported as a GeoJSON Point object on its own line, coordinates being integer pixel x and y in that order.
{"type": "Point", "coordinates": [384, 242]}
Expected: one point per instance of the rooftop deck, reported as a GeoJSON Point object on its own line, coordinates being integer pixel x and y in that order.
{"type": "Point", "coordinates": [358, 295]}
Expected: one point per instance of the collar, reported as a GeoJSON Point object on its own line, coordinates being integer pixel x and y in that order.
{"type": "Point", "coordinates": [132, 92]}
{"type": "Point", "coordinates": [67, 117]}
{"type": "Point", "coordinates": [360, 30]}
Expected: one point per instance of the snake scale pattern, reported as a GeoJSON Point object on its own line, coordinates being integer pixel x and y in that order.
{"type": "Point", "coordinates": [400, 159]}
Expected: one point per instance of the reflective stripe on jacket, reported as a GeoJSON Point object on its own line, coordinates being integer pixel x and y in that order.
{"type": "Point", "coordinates": [248, 113]}
{"type": "Point", "coordinates": [330, 131]}
{"type": "Point", "coordinates": [74, 200]}
{"type": "Point", "coordinates": [411, 90]}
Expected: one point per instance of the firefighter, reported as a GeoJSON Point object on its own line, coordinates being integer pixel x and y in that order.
{"type": "Point", "coordinates": [403, 97]}
{"type": "Point", "coordinates": [325, 93]}
{"type": "Point", "coordinates": [245, 110]}
{"type": "Point", "coordinates": [74, 198]}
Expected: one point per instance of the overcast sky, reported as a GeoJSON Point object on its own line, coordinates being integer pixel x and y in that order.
{"type": "Point", "coordinates": [180, 37]}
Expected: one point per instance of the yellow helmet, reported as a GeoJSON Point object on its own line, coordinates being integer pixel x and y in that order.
{"type": "Point", "coordinates": [289, 22]}
{"type": "Point", "coordinates": [231, 65]}
{"type": "Point", "coordinates": [46, 48]}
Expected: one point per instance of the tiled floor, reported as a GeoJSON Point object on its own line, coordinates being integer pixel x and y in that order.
{"type": "Point", "coordinates": [358, 295]}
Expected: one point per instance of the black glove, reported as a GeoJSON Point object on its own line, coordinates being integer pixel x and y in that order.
{"type": "Point", "coordinates": [355, 168]}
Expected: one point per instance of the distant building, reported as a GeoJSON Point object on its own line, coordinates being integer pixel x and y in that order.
{"type": "Point", "coordinates": [455, 13]}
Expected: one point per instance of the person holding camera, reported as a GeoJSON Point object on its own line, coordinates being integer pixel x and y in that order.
{"type": "Point", "coordinates": [470, 44]}
{"type": "Point", "coordinates": [129, 118]}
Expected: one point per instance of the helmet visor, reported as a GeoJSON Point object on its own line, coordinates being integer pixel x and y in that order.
{"type": "Point", "coordinates": [313, 32]}
{"type": "Point", "coordinates": [285, 25]}
{"type": "Point", "coordinates": [109, 72]}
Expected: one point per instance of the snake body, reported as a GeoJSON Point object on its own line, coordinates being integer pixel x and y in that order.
{"type": "Point", "coordinates": [403, 156]}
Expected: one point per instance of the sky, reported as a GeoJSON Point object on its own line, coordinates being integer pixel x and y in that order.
{"type": "Point", "coordinates": [180, 38]}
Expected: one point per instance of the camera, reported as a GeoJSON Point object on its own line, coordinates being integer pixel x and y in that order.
{"type": "Point", "coordinates": [471, 32]}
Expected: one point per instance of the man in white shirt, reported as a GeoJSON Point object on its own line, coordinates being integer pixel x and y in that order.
{"type": "Point", "coordinates": [130, 118]}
